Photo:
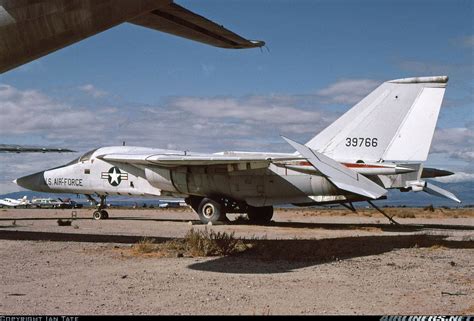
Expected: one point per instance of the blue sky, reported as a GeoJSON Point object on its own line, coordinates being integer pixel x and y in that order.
{"type": "Point", "coordinates": [153, 89]}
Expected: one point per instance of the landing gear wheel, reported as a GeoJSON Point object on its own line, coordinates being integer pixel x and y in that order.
{"type": "Point", "coordinates": [211, 211]}
{"type": "Point", "coordinates": [104, 214]}
{"type": "Point", "coordinates": [100, 215]}
{"type": "Point", "coordinates": [260, 215]}
{"type": "Point", "coordinates": [97, 215]}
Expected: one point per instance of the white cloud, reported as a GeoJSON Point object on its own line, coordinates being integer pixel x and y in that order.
{"type": "Point", "coordinates": [30, 111]}
{"type": "Point", "coordinates": [348, 91]}
{"type": "Point", "coordinates": [458, 143]}
{"type": "Point", "coordinates": [93, 91]}
{"type": "Point", "coordinates": [459, 177]}
{"type": "Point", "coordinates": [251, 110]}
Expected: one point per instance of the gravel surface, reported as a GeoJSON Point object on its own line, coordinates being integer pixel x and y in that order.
{"type": "Point", "coordinates": [361, 265]}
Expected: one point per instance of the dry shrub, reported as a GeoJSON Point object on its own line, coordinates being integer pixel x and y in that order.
{"type": "Point", "coordinates": [146, 245]}
{"type": "Point", "coordinates": [437, 247]}
{"type": "Point", "coordinates": [429, 208]}
{"type": "Point", "coordinates": [195, 243]}
{"type": "Point", "coordinates": [405, 215]}
{"type": "Point", "coordinates": [209, 243]}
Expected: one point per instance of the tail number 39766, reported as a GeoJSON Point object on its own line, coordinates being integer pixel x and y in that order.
{"type": "Point", "coordinates": [361, 142]}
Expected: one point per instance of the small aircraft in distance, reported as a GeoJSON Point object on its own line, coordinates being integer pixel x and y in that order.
{"type": "Point", "coordinates": [10, 202]}
{"type": "Point", "coordinates": [379, 144]}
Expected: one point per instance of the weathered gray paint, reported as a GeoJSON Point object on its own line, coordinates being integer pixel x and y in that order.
{"type": "Point", "coordinates": [30, 29]}
{"type": "Point", "coordinates": [258, 179]}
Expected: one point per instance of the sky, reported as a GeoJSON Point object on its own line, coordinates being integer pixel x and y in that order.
{"type": "Point", "coordinates": [152, 89]}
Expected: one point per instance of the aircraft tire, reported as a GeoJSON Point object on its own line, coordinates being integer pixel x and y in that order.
{"type": "Point", "coordinates": [260, 215]}
{"type": "Point", "coordinates": [100, 215]}
{"type": "Point", "coordinates": [104, 214]}
{"type": "Point", "coordinates": [97, 215]}
{"type": "Point", "coordinates": [210, 211]}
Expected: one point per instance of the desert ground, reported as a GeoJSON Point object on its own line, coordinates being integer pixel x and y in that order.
{"type": "Point", "coordinates": [307, 261]}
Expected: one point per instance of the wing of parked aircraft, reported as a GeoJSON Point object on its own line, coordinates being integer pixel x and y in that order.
{"type": "Point", "coordinates": [341, 176]}
{"type": "Point", "coordinates": [30, 29]}
{"type": "Point", "coordinates": [9, 148]}
{"type": "Point", "coordinates": [189, 160]}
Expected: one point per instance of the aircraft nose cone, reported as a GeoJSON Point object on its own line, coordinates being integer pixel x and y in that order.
{"type": "Point", "coordinates": [33, 182]}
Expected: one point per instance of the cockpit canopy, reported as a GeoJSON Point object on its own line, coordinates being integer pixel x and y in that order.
{"type": "Point", "coordinates": [83, 158]}
{"type": "Point", "coordinates": [87, 155]}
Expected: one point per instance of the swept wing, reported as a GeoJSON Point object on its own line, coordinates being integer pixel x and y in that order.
{"type": "Point", "coordinates": [174, 160]}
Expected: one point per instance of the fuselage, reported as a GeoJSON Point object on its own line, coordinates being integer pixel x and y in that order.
{"type": "Point", "coordinates": [281, 182]}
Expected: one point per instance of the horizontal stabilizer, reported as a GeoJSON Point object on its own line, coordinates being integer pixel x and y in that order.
{"type": "Point", "coordinates": [341, 176]}
{"type": "Point", "coordinates": [438, 191]}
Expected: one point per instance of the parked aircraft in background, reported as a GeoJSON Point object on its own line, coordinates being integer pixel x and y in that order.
{"type": "Point", "coordinates": [379, 144]}
{"type": "Point", "coordinates": [30, 29]}
{"type": "Point", "coordinates": [54, 203]}
{"type": "Point", "coordinates": [10, 202]}
{"type": "Point", "coordinates": [9, 148]}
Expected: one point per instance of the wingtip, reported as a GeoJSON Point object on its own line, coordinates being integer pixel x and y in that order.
{"type": "Point", "coordinates": [257, 43]}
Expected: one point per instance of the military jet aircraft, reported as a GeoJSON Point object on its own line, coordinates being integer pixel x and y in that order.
{"type": "Point", "coordinates": [379, 144]}
{"type": "Point", "coordinates": [30, 29]}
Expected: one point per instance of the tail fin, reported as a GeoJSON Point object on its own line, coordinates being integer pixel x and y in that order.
{"type": "Point", "coordinates": [395, 122]}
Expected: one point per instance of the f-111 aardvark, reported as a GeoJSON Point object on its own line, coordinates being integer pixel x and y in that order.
{"type": "Point", "coordinates": [379, 144]}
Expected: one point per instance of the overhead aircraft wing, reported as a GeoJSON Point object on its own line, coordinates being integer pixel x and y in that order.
{"type": "Point", "coordinates": [188, 160]}
{"type": "Point", "coordinates": [30, 29]}
{"type": "Point", "coordinates": [341, 176]}
{"type": "Point", "coordinates": [7, 148]}
{"type": "Point", "coordinates": [181, 22]}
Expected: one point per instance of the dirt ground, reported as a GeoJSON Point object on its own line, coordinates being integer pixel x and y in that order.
{"type": "Point", "coordinates": [311, 261]}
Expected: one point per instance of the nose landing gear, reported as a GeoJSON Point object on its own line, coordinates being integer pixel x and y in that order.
{"type": "Point", "coordinates": [100, 213]}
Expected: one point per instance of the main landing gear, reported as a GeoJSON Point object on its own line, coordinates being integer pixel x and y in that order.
{"type": "Point", "coordinates": [392, 221]}
{"type": "Point", "coordinates": [100, 213]}
{"type": "Point", "coordinates": [351, 207]}
{"type": "Point", "coordinates": [215, 209]}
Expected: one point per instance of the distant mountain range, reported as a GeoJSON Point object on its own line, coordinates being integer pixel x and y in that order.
{"type": "Point", "coordinates": [464, 191]}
